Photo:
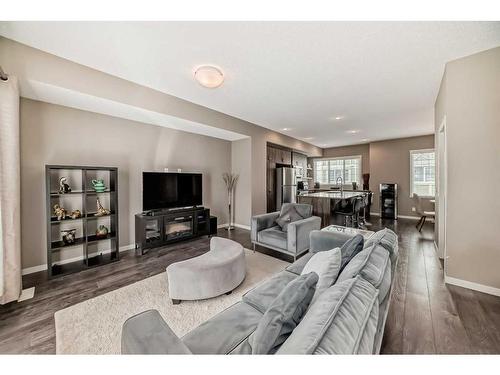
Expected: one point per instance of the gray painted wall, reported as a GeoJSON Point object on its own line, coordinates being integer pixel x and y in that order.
{"type": "Point", "coordinates": [241, 164]}
{"type": "Point", "coordinates": [53, 134]}
{"type": "Point", "coordinates": [390, 163]}
{"type": "Point", "coordinates": [470, 99]}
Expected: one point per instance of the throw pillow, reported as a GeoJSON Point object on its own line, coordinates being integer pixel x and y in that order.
{"type": "Point", "coordinates": [288, 215]}
{"type": "Point", "coordinates": [350, 249]}
{"type": "Point", "coordinates": [283, 315]}
{"type": "Point", "coordinates": [327, 265]}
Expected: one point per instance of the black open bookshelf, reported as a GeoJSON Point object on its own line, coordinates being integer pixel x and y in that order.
{"type": "Point", "coordinates": [88, 250]}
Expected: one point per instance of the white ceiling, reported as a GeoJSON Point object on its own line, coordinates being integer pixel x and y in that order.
{"type": "Point", "coordinates": [381, 77]}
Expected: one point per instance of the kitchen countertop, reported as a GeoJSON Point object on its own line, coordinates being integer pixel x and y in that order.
{"type": "Point", "coordinates": [325, 190]}
{"type": "Point", "coordinates": [333, 194]}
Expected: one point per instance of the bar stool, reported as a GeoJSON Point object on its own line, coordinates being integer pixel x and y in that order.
{"type": "Point", "coordinates": [366, 203]}
{"type": "Point", "coordinates": [351, 211]}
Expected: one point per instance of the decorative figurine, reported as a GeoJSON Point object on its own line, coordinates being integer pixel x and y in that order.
{"type": "Point", "coordinates": [75, 214]}
{"type": "Point", "coordinates": [99, 186]}
{"type": "Point", "coordinates": [102, 231]}
{"type": "Point", "coordinates": [59, 212]}
{"type": "Point", "coordinates": [63, 186]}
{"type": "Point", "coordinates": [68, 236]}
{"type": "Point", "coordinates": [101, 211]}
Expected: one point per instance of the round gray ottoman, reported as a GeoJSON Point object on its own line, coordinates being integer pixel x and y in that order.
{"type": "Point", "coordinates": [212, 274]}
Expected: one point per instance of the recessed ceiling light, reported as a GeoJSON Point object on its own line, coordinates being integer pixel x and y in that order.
{"type": "Point", "coordinates": [209, 76]}
{"type": "Point", "coordinates": [365, 140]}
{"type": "Point", "coordinates": [286, 129]}
{"type": "Point", "coordinates": [339, 117]}
{"type": "Point", "coordinates": [353, 131]}
{"type": "Point", "coordinates": [308, 138]}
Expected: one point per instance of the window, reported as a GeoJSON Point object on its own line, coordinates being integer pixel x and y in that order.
{"type": "Point", "coordinates": [423, 172]}
{"type": "Point", "coordinates": [326, 171]}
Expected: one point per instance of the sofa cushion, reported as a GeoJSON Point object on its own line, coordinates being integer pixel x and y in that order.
{"type": "Point", "coordinates": [326, 264]}
{"type": "Point", "coordinates": [288, 214]}
{"type": "Point", "coordinates": [297, 266]}
{"type": "Point", "coordinates": [273, 236]}
{"type": "Point", "coordinates": [265, 293]}
{"type": "Point", "coordinates": [225, 331]}
{"type": "Point", "coordinates": [324, 240]}
{"type": "Point", "coordinates": [387, 239]}
{"type": "Point", "coordinates": [342, 321]}
{"type": "Point", "coordinates": [374, 265]}
{"type": "Point", "coordinates": [351, 248]}
{"type": "Point", "coordinates": [283, 315]}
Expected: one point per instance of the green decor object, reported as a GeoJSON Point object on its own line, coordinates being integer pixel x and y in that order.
{"type": "Point", "coordinates": [99, 186]}
{"type": "Point", "coordinates": [102, 231]}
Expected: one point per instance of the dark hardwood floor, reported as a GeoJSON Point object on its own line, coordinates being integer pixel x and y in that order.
{"type": "Point", "coordinates": [425, 316]}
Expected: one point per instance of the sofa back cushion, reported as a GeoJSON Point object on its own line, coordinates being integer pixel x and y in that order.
{"type": "Point", "coordinates": [388, 240]}
{"type": "Point", "coordinates": [326, 264]}
{"type": "Point", "coordinates": [322, 240]}
{"type": "Point", "coordinates": [349, 249]}
{"type": "Point", "coordinates": [374, 265]}
{"type": "Point", "coordinates": [283, 315]}
{"type": "Point", "coordinates": [343, 320]}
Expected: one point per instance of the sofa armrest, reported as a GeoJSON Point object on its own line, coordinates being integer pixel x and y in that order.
{"type": "Point", "coordinates": [298, 233]}
{"type": "Point", "coordinates": [261, 222]}
{"type": "Point", "coordinates": [324, 240]}
{"type": "Point", "coordinates": [147, 333]}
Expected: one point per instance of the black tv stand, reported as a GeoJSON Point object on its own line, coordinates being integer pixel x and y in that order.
{"type": "Point", "coordinates": [155, 229]}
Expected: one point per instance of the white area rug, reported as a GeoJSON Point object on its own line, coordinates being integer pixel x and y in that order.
{"type": "Point", "coordinates": [94, 326]}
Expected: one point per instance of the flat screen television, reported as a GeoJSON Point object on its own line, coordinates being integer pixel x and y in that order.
{"type": "Point", "coordinates": [170, 190]}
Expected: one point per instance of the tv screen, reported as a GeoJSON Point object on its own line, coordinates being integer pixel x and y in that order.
{"type": "Point", "coordinates": [170, 190]}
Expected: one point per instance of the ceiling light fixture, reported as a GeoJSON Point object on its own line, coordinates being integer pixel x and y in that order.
{"type": "Point", "coordinates": [209, 76]}
{"type": "Point", "coordinates": [286, 129]}
{"type": "Point", "coordinates": [339, 118]}
{"type": "Point", "coordinates": [365, 140]}
{"type": "Point", "coordinates": [353, 131]}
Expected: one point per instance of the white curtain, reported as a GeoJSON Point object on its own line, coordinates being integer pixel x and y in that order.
{"type": "Point", "coordinates": [10, 196]}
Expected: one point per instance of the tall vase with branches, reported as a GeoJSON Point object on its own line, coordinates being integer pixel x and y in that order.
{"type": "Point", "coordinates": [230, 180]}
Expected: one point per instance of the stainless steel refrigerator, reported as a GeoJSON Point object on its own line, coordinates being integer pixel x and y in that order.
{"type": "Point", "coordinates": [286, 186]}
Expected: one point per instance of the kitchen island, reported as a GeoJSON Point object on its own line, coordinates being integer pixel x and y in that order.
{"type": "Point", "coordinates": [325, 202]}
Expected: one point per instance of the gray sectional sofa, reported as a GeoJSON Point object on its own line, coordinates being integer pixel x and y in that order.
{"type": "Point", "coordinates": [348, 318]}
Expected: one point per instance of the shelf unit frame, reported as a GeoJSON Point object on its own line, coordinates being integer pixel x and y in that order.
{"type": "Point", "coordinates": [87, 238]}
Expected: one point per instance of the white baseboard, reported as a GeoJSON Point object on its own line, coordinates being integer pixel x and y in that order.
{"type": "Point", "coordinates": [471, 285]}
{"type": "Point", "coordinates": [43, 267]}
{"type": "Point", "coordinates": [242, 226]}
{"type": "Point", "coordinates": [27, 271]}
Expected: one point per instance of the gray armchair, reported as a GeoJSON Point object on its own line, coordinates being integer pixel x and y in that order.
{"type": "Point", "coordinates": [295, 240]}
